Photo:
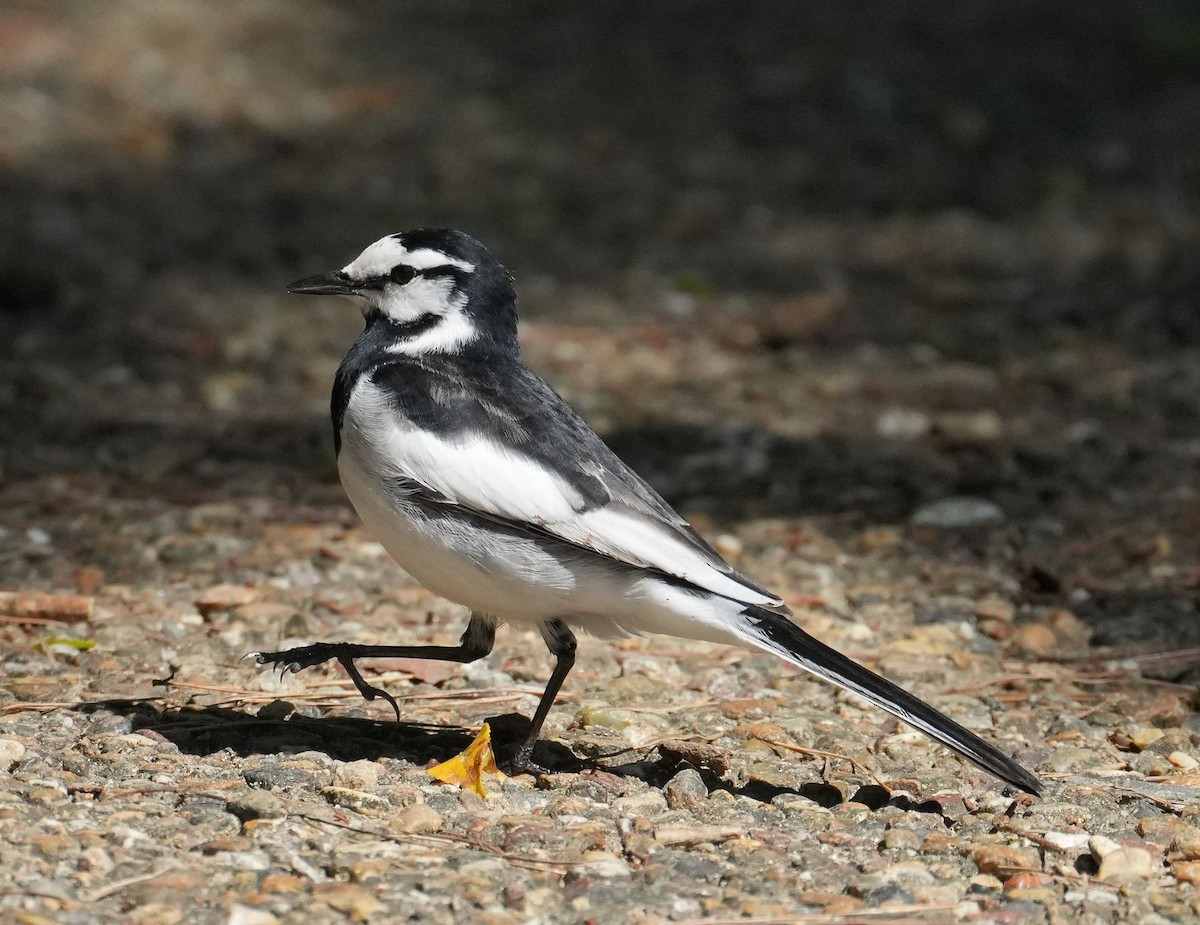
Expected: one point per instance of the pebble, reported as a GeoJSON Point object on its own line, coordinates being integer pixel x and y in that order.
{"type": "Point", "coordinates": [1145, 737]}
{"type": "Point", "coordinates": [256, 804]}
{"type": "Point", "coordinates": [11, 753]}
{"type": "Point", "coordinates": [1120, 862]}
{"type": "Point", "coordinates": [1183, 761]}
{"type": "Point", "coordinates": [605, 717]}
{"type": "Point", "coordinates": [604, 864]}
{"type": "Point", "coordinates": [96, 860]}
{"type": "Point", "coordinates": [903, 424]}
{"type": "Point", "coordinates": [1187, 872]}
{"type": "Point", "coordinates": [901, 840]}
{"type": "Point", "coordinates": [231, 843]}
{"type": "Point", "coordinates": [367, 804]}
{"type": "Point", "coordinates": [359, 904]}
{"type": "Point", "coordinates": [1035, 638]}
{"type": "Point", "coordinates": [686, 790]}
{"type": "Point", "coordinates": [1187, 845]}
{"type": "Point", "coordinates": [1067, 841]}
{"type": "Point", "coordinates": [969, 427]}
{"type": "Point", "coordinates": [958, 514]}
{"type": "Point", "coordinates": [357, 775]}
{"type": "Point", "coordinates": [224, 597]}
{"type": "Point", "coordinates": [1005, 859]}
{"type": "Point", "coordinates": [1067, 760]}
{"type": "Point", "coordinates": [273, 777]}
{"type": "Point", "coordinates": [248, 915]}
{"type": "Point", "coordinates": [416, 818]}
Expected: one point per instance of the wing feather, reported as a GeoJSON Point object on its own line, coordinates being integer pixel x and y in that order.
{"type": "Point", "coordinates": [598, 504]}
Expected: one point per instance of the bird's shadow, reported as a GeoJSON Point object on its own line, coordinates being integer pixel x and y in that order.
{"type": "Point", "coordinates": [205, 730]}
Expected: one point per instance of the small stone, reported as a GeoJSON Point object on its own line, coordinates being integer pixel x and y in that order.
{"type": "Point", "coordinates": [1144, 738]}
{"type": "Point", "coordinates": [901, 840]}
{"type": "Point", "coordinates": [96, 860]}
{"type": "Point", "coordinates": [969, 427]}
{"type": "Point", "coordinates": [902, 424]}
{"type": "Point", "coordinates": [46, 796]}
{"type": "Point", "coordinates": [224, 597]}
{"type": "Point", "coordinates": [273, 777]}
{"type": "Point", "coordinates": [939, 843]}
{"type": "Point", "coordinates": [367, 804]}
{"type": "Point", "coordinates": [604, 716]}
{"type": "Point", "coordinates": [1187, 872]}
{"type": "Point", "coordinates": [994, 608]}
{"type": "Point", "coordinates": [1067, 842]}
{"type": "Point", "coordinates": [231, 843]}
{"type": "Point", "coordinates": [1032, 894]}
{"type": "Point", "coordinates": [256, 804]}
{"type": "Point", "coordinates": [604, 864]}
{"type": "Point", "coordinates": [746, 708]}
{"type": "Point", "coordinates": [355, 901]}
{"type": "Point", "coordinates": [282, 883]}
{"type": "Point", "coordinates": [416, 818]}
{"type": "Point", "coordinates": [1183, 761]}
{"type": "Point", "coordinates": [248, 915]}
{"type": "Point", "coordinates": [1035, 638]}
{"type": "Point", "coordinates": [154, 914]}
{"type": "Point", "coordinates": [1004, 859]}
{"type": "Point", "coordinates": [1027, 880]}
{"type": "Point", "coordinates": [958, 514]}
{"type": "Point", "coordinates": [1127, 864]}
{"type": "Point", "coordinates": [1068, 760]}
{"type": "Point", "coordinates": [686, 790]}
{"type": "Point", "coordinates": [51, 845]}
{"type": "Point", "coordinates": [357, 775]}
{"type": "Point", "coordinates": [11, 753]}
{"type": "Point", "coordinates": [1187, 845]}
{"type": "Point", "coordinates": [640, 804]}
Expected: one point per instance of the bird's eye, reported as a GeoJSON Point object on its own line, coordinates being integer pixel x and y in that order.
{"type": "Point", "coordinates": [401, 274]}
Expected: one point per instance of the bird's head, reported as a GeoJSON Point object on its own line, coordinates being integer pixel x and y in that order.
{"type": "Point", "coordinates": [435, 290]}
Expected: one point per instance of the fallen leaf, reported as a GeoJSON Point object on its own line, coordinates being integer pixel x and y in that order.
{"type": "Point", "coordinates": [467, 768]}
{"type": "Point", "coordinates": [80, 645]}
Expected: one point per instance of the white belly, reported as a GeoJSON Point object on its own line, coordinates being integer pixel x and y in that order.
{"type": "Point", "coordinates": [524, 579]}
{"type": "Point", "coordinates": [464, 560]}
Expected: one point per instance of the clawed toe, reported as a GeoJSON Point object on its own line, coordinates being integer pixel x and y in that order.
{"type": "Point", "coordinates": [522, 763]}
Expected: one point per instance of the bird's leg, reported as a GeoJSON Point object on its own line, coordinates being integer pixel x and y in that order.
{"type": "Point", "coordinates": [476, 642]}
{"type": "Point", "coordinates": [561, 642]}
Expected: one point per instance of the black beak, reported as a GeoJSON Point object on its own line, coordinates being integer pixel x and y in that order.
{"type": "Point", "coordinates": [326, 284]}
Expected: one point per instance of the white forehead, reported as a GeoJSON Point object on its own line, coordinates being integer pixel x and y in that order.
{"type": "Point", "coordinates": [380, 257]}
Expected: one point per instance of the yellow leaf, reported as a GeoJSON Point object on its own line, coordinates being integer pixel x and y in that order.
{"type": "Point", "coordinates": [467, 768]}
{"type": "Point", "coordinates": [79, 645]}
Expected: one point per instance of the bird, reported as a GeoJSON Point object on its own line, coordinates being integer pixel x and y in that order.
{"type": "Point", "coordinates": [490, 490]}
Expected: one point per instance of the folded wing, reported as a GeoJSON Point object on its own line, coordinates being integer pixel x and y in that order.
{"type": "Point", "coordinates": [593, 500]}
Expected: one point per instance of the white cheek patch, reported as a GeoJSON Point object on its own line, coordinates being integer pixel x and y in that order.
{"type": "Point", "coordinates": [419, 299]}
{"type": "Point", "coordinates": [379, 258]}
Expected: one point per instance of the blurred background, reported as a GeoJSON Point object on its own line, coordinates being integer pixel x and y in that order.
{"type": "Point", "coordinates": [922, 273]}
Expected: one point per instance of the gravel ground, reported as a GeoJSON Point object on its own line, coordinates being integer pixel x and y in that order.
{"type": "Point", "coordinates": [899, 307]}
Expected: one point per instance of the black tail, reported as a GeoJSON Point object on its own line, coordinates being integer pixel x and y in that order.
{"type": "Point", "coordinates": [783, 637]}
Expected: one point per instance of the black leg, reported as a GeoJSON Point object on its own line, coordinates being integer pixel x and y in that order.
{"type": "Point", "coordinates": [561, 642]}
{"type": "Point", "coordinates": [476, 642]}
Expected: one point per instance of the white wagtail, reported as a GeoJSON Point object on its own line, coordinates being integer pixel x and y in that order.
{"type": "Point", "coordinates": [490, 490]}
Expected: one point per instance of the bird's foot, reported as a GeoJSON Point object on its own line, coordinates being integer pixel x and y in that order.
{"type": "Point", "coordinates": [291, 661]}
{"type": "Point", "coordinates": [522, 762]}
